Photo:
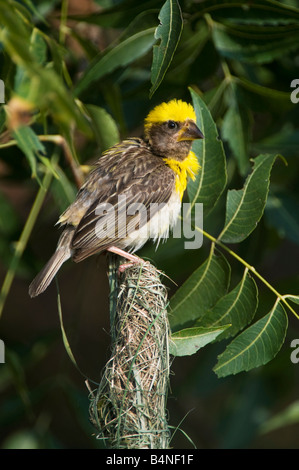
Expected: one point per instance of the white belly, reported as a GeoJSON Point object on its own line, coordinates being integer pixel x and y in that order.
{"type": "Point", "coordinates": [158, 226]}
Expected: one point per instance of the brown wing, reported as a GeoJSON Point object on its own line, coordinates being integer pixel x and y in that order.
{"type": "Point", "coordinates": [106, 178]}
{"type": "Point", "coordinates": [133, 177]}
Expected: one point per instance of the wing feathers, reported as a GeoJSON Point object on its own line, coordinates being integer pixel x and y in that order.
{"type": "Point", "coordinates": [126, 175]}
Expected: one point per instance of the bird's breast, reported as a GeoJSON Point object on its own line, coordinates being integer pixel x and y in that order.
{"type": "Point", "coordinates": [158, 225]}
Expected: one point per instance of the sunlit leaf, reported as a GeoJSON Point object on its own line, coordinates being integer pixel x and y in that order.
{"type": "Point", "coordinates": [190, 340]}
{"type": "Point", "coordinates": [293, 298]}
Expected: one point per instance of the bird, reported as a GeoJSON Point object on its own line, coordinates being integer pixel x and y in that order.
{"type": "Point", "coordinates": [133, 193]}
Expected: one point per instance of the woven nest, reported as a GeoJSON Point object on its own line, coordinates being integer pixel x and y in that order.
{"type": "Point", "coordinates": [129, 407]}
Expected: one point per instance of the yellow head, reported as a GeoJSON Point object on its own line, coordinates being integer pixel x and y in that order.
{"type": "Point", "coordinates": [174, 110]}
{"type": "Point", "coordinates": [170, 129]}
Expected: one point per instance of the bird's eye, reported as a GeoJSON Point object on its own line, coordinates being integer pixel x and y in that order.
{"type": "Point", "coordinates": [172, 124]}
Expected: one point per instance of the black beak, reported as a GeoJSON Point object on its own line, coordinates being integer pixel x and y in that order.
{"type": "Point", "coordinates": [189, 131]}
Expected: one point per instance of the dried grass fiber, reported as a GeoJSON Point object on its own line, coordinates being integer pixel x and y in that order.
{"type": "Point", "coordinates": [129, 407]}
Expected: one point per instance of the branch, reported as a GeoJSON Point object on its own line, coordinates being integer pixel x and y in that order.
{"type": "Point", "coordinates": [252, 269]}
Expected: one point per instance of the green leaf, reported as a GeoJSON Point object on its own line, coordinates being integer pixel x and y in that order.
{"type": "Point", "coordinates": [34, 10]}
{"type": "Point", "coordinates": [64, 335]}
{"type": "Point", "coordinates": [104, 126]}
{"type": "Point", "coordinates": [237, 308]}
{"type": "Point", "coordinates": [255, 12]}
{"type": "Point", "coordinates": [41, 85]}
{"type": "Point", "coordinates": [54, 96]}
{"type": "Point", "coordinates": [211, 179]}
{"type": "Point", "coordinates": [169, 32]}
{"type": "Point", "coordinates": [119, 15]}
{"type": "Point", "coordinates": [15, 32]}
{"type": "Point", "coordinates": [38, 47]}
{"type": "Point", "coordinates": [48, 164]}
{"type": "Point", "coordinates": [257, 31]}
{"type": "Point", "coordinates": [2, 115]}
{"type": "Point", "coordinates": [119, 56]}
{"type": "Point", "coordinates": [254, 45]}
{"type": "Point", "coordinates": [191, 44]}
{"type": "Point", "coordinates": [264, 94]}
{"type": "Point", "coordinates": [236, 129]}
{"type": "Point", "coordinates": [190, 340]}
{"type": "Point", "coordinates": [199, 292]}
{"type": "Point", "coordinates": [30, 145]}
{"type": "Point", "coordinates": [287, 417]}
{"type": "Point", "coordinates": [33, 148]}
{"type": "Point", "coordinates": [245, 207]}
{"type": "Point", "coordinates": [255, 346]}
{"type": "Point", "coordinates": [293, 298]}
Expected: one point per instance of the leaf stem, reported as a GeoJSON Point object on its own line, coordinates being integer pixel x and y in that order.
{"type": "Point", "coordinates": [63, 20]}
{"type": "Point", "coordinates": [55, 138]}
{"type": "Point", "coordinates": [219, 92]}
{"type": "Point", "coordinates": [250, 268]}
{"type": "Point", "coordinates": [228, 76]}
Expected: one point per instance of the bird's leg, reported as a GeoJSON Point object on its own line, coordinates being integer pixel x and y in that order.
{"type": "Point", "coordinates": [124, 254]}
{"type": "Point", "coordinates": [132, 258]}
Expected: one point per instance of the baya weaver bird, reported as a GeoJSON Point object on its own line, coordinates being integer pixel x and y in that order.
{"type": "Point", "coordinates": [152, 172]}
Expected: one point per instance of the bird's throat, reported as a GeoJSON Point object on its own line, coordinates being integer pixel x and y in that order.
{"type": "Point", "coordinates": [183, 169]}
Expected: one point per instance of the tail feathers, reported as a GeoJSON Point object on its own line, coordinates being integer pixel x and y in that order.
{"type": "Point", "coordinates": [45, 277]}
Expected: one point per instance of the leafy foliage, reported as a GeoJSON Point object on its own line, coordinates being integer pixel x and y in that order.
{"type": "Point", "coordinates": [77, 82]}
{"type": "Point", "coordinates": [245, 207]}
{"type": "Point", "coordinates": [169, 32]}
{"type": "Point", "coordinates": [256, 345]}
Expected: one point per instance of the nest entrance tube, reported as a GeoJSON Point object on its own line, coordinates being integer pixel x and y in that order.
{"type": "Point", "coordinates": [129, 407]}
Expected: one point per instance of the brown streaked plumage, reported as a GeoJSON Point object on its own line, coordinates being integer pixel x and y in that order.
{"type": "Point", "coordinates": [135, 171]}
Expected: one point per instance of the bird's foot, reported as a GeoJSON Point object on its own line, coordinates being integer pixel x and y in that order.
{"type": "Point", "coordinates": [131, 258]}
{"type": "Point", "coordinates": [125, 266]}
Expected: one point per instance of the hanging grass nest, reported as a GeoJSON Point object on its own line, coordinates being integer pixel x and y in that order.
{"type": "Point", "coordinates": [129, 407]}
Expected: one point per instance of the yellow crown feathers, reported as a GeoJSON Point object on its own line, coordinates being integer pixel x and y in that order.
{"type": "Point", "coordinates": [174, 110]}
